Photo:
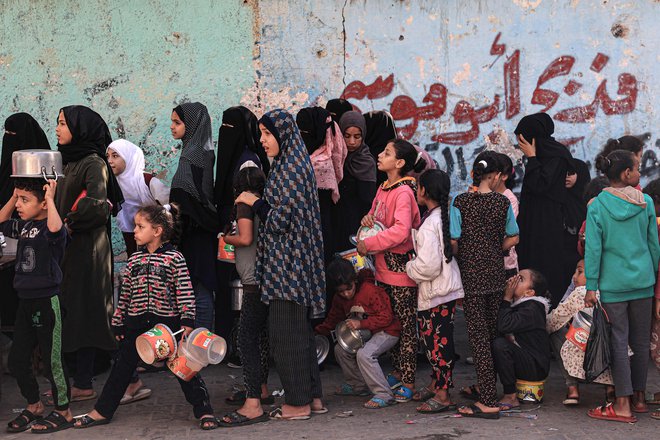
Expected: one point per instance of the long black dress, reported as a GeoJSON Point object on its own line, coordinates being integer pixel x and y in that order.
{"type": "Point", "coordinates": [542, 200]}
{"type": "Point", "coordinates": [575, 212]}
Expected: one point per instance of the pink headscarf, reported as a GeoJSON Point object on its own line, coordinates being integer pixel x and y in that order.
{"type": "Point", "coordinates": [328, 160]}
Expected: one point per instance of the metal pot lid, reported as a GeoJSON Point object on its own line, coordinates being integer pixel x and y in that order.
{"type": "Point", "coordinates": [322, 348]}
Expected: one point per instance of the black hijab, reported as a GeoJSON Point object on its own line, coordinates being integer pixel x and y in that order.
{"type": "Point", "coordinates": [312, 124]}
{"type": "Point", "coordinates": [239, 130]}
{"type": "Point", "coordinates": [540, 126]}
{"type": "Point", "coordinates": [337, 107]}
{"type": "Point", "coordinates": [380, 130]}
{"type": "Point", "coordinates": [90, 136]}
{"type": "Point", "coordinates": [29, 135]}
{"type": "Point", "coordinates": [575, 207]}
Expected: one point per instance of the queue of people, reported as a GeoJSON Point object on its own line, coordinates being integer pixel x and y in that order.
{"type": "Point", "coordinates": [290, 194]}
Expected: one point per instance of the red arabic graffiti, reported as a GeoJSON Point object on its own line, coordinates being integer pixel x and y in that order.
{"type": "Point", "coordinates": [434, 103]}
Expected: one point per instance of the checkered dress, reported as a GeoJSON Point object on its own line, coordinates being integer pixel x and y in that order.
{"type": "Point", "coordinates": [290, 244]}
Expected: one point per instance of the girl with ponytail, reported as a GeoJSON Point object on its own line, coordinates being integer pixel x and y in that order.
{"type": "Point", "coordinates": [436, 272]}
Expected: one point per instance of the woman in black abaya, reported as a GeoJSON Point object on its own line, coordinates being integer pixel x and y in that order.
{"type": "Point", "coordinates": [542, 201]}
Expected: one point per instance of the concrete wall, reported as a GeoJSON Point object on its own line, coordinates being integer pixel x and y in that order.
{"type": "Point", "coordinates": [450, 72]}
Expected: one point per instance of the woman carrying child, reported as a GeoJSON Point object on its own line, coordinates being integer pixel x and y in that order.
{"type": "Point", "coordinates": [396, 209]}
{"type": "Point", "coordinates": [436, 272]}
{"type": "Point", "coordinates": [164, 296]}
{"type": "Point", "coordinates": [622, 233]}
{"type": "Point", "coordinates": [289, 267]}
{"type": "Point", "coordinates": [253, 324]}
{"type": "Point", "coordinates": [478, 245]}
{"type": "Point", "coordinates": [363, 305]}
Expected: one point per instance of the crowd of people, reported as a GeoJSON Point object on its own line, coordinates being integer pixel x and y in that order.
{"type": "Point", "coordinates": [291, 194]}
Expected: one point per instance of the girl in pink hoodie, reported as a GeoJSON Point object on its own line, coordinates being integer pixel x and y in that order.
{"type": "Point", "coordinates": [396, 209]}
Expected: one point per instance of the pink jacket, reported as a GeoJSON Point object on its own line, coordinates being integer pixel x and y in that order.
{"type": "Point", "coordinates": [328, 161]}
{"type": "Point", "coordinates": [399, 213]}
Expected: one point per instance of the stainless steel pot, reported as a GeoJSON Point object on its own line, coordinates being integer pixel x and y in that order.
{"type": "Point", "coordinates": [322, 348]}
{"type": "Point", "coordinates": [236, 295]}
{"type": "Point", "coordinates": [37, 163]}
{"type": "Point", "coordinates": [351, 340]}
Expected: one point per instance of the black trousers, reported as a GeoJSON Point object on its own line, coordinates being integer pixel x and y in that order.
{"type": "Point", "coordinates": [512, 362]}
{"type": "Point", "coordinates": [122, 371]}
{"type": "Point", "coordinates": [253, 341]}
{"type": "Point", "coordinates": [294, 350]}
{"type": "Point", "coordinates": [39, 324]}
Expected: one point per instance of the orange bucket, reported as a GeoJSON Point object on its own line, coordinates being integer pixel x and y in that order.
{"type": "Point", "coordinates": [205, 346]}
{"type": "Point", "coordinates": [183, 366]}
{"type": "Point", "coordinates": [225, 251]}
{"type": "Point", "coordinates": [156, 344]}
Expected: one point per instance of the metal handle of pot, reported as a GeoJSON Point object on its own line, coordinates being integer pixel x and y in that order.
{"type": "Point", "coordinates": [333, 335]}
{"type": "Point", "coordinates": [57, 176]}
{"type": "Point", "coordinates": [43, 173]}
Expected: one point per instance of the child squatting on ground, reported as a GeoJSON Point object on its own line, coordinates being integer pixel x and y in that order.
{"type": "Point", "coordinates": [367, 306]}
{"type": "Point", "coordinates": [41, 241]}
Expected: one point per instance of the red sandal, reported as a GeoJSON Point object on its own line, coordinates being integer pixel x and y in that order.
{"type": "Point", "coordinates": [607, 413]}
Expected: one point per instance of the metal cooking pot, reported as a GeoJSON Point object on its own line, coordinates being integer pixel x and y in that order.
{"type": "Point", "coordinates": [37, 163]}
{"type": "Point", "coordinates": [236, 295]}
{"type": "Point", "coordinates": [351, 340]}
{"type": "Point", "coordinates": [322, 348]}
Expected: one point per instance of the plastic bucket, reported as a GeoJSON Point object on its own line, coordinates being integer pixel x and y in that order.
{"type": "Point", "coordinates": [528, 391]}
{"type": "Point", "coordinates": [579, 329]}
{"type": "Point", "coordinates": [183, 366]}
{"type": "Point", "coordinates": [358, 261]}
{"type": "Point", "coordinates": [225, 251]}
{"type": "Point", "coordinates": [206, 347]}
{"type": "Point", "coordinates": [156, 344]}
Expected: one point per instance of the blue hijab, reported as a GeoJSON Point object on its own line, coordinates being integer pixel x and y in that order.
{"type": "Point", "coordinates": [290, 244]}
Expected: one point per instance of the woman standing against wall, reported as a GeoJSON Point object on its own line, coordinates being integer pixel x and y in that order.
{"type": "Point", "coordinates": [290, 263]}
{"type": "Point", "coordinates": [86, 196]}
{"type": "Point", "coordinates": [192, 190]}
{"type": "Point", "coordinates": [542, 199]}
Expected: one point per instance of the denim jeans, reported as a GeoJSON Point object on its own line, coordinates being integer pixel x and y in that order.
{"type": "Point", "coordinates": [204, 306]}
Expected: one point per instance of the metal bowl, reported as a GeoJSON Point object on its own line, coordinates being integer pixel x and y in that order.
{"type": "Point", "coordinates": [236, 295]}
{"type": "Point", "coordinates": [36, 163]}
{"type": "Point", "coordinates": [322, 348]}
{"type": "Point", "coordinates": [351, 340]}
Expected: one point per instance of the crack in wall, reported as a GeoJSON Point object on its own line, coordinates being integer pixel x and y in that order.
{"type": "Point", "coordinates": [343, 33]}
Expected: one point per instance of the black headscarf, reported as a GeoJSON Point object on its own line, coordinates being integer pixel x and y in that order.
{"type": "Point", "coordinates": [239, 130]}
{"type": "Point", "coordinates": [540, 126]}
{"type": "Point", "coordinates": [90, 136]}
{"type": "Point", "coordinates": [29, 135]}
{"type": "Point", "coordinates": [359, 163]}
{"type": "Point", "coordinates": [575, 207]}
{"type": "Point", "coordinates": [380, 130]}
{"type": "Point", "coordinates": [337, 107]}
{"type": "Point", "coordinates": [312, 124]}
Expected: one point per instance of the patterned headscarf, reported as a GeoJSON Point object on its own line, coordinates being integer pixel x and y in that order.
{"type": "Point", "coordinates": [197, 151]}
{"type": "Point", "coordinates": [290, 244]}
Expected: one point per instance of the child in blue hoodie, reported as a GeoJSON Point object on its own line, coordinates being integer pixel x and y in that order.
{"type": "Point", "coordinates": [621, 260]}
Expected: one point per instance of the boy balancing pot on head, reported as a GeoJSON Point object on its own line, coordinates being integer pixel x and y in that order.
{"type": "Point", "coordinates": [357, 296]}
{"type": "Point", "coordinates": [41, 242]}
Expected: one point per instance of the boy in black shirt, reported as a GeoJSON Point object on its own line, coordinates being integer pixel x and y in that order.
{"type": "Point", "coordinates": [41, 242]}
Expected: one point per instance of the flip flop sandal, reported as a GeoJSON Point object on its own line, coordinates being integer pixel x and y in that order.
{"type": "Point", "coordinates": [435, 407]}
{"type": "Point", "coordinates": [140, 394]}
{"type": "Point", "coordinates": [378, 403]}
{"type": "Point", "coordinates": [276, 414]}
{"type": "Point", "coordinates": [23, 421]}
{"type": "Point", "coordinates": [347, 390]}
{"type": "Point", "coordinates": [53, 422]}
{"type": "Point", "coordinates": [655, 415]}
{"type": "Point", "coordinates": [473, 394]}
{"type": "Point", "coordinates": [323, 410]}
{"type": "Point", "coordinates": [477, 413]}
{"type": "Point", "coordinates": [239, 397]}
{"type": "Point", "coordinates": [423, 395]}
{"type": "Point", "coordinates": [571, 401]}
{"type": "Point", "coordinates": [393, 382]}
{"type": "Point", "coordinates": [505, 407]}
{"type": "Point", "coordinates": [237, 419]}
{"type": "Point", "coordinates": [209, 423]}
{"type": "Point", "coordinates": [607, 412]}
{"type": "Point", "coordinates": [403, 394]}
{"type": "Point", "coordinates": [651, 400]}
{"type": "Point", "coordinates": [87, 422]}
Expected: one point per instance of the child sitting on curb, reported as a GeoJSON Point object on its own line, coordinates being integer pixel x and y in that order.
{"type": "Point", "coordinates": [368, 307]}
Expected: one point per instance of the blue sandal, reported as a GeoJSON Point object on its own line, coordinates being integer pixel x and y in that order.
{"type": "Point", "coordinates": [403, 394]}
{"type": "Point", "coordinates": [393, 382]}
{"type": "Point", "coordinates": [378, 403]}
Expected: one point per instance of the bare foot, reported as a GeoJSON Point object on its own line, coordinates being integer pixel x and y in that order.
{"type": "Point", "coordinates": [134, 387]}
{"type": "Point", "coordinates": [250, 409]}
{"type": "Point", "coordinates": [481, 406]}
{"type": "Point", "coordinates": [93, 414]}
{"type": "Point", "coordinates": [43, 424]}
{"type": "Point", "coordinates": [508, 401]}
{"type": "Point", "coordinates": [317, 405]}
{"type": "Point", "coordinates": [295, 411]}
